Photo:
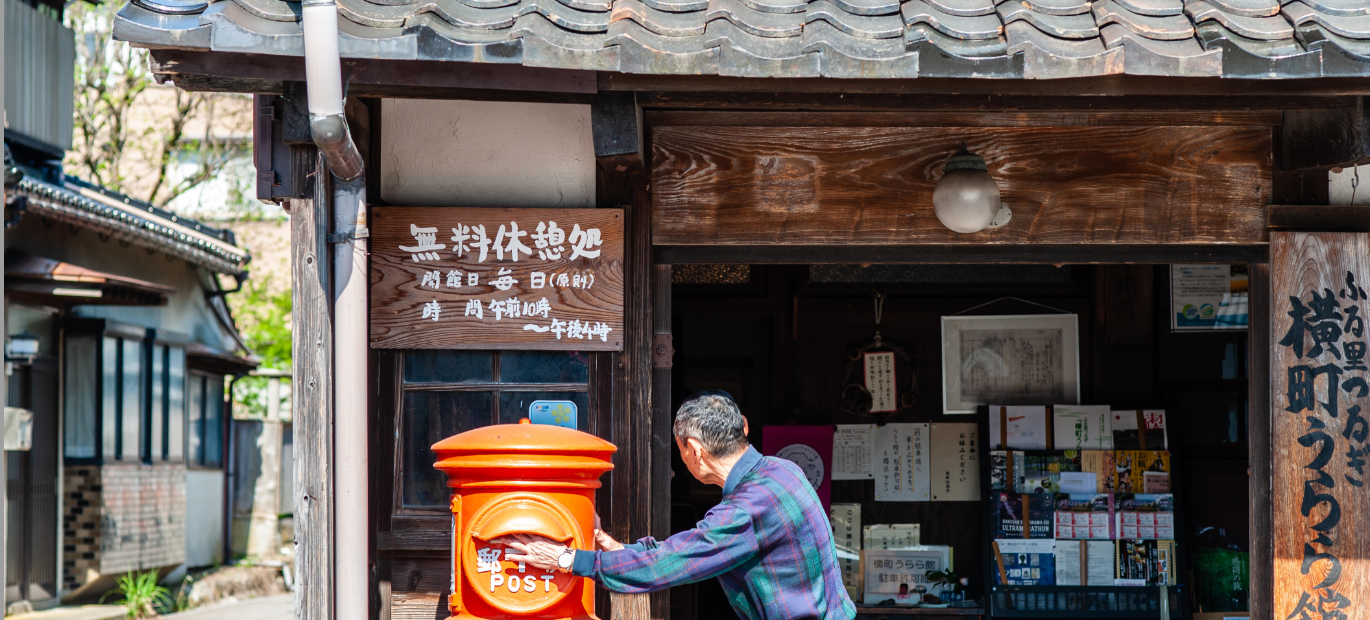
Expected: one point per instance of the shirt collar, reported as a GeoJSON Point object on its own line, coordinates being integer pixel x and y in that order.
{"type": "Point", "coordinates": [745, 464]}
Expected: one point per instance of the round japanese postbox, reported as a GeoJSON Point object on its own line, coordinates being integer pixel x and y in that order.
{"type": "Point", "coordinates": [520, 479]}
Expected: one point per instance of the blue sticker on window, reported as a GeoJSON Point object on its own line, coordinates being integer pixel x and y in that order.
{"type": "Point", "coordinates": [553, 412]}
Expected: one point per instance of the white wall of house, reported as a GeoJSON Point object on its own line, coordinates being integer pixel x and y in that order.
{"type": "Point", "coordinates": [186, 312]}
{"type": "Point", "coordinates": [204, 517]}
{"type": "Point", "coordinates": [486, 154]}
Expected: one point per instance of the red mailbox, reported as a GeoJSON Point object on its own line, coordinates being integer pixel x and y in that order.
{"type": "Point", "coordinates": [520, 479]}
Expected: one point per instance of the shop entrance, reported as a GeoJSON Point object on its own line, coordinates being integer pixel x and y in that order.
{"type": "Point", "coordinates": [784, 340]}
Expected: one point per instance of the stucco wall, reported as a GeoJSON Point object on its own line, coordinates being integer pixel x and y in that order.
{"type": "Point", "coordinates": [205, 517]}
{"type": "Point", "coordinates": [186, 312]}
{"type": "Point", "coordinates": [486, 154]}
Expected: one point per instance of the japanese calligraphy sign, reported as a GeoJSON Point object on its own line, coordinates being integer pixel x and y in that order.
{"type": "Point", "coordinates": [1320, 425]}
{"type": "Point", "coordinates": [446, 278]}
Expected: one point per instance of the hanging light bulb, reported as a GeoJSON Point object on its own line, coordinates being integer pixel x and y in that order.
{"type": "Point", "coordinates": [966, 199]}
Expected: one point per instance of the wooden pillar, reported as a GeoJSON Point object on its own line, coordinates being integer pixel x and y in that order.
{"type": "Point", "coordinates": [663, 353]}
{"type": "Point", "coordinates": [622, 182]}
{"type": "Point", "coordinates": [1320, 401]}
{"type": "Point", "coordinates": [313, 413]}
{"type": "Point", "coordinates": [1262, 560]}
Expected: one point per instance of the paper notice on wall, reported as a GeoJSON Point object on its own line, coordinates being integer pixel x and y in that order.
{"type": "Point", "coordinates": [846, 537]}
{"type": "Point", "coordinates": [852, 452]}
{"type": "Point", "coordinates": [892, 537]}
{"type": "Point", "coordinates": [901, 463]}
{"type": "Point", "coordinates": [880, 382]}
{"type": "Point", "coordinates": [955, 474]}
{"type": "Point", "coordinates": [1084, 562]}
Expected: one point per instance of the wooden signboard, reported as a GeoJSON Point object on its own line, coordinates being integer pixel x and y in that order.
{"type": "Point", "coordinates": [452, 278]}
{"type": "Point", "coordinates": [1320, 402]}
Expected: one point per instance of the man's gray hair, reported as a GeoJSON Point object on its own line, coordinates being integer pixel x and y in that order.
{"type": "Point", "coordinates": [712, 419]}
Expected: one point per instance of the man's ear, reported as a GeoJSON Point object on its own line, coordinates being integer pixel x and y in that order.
{"type": "Point", "coordinates": [746, 430]}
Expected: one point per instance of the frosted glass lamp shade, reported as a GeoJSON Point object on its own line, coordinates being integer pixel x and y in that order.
{"type": "Point", "coordinates": [966, 199]}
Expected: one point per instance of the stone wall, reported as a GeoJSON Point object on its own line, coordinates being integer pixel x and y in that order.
{"type": "Point", "coordinates": [121, 518]}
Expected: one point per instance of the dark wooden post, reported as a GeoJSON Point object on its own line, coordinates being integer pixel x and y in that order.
{"type": "Point", "coordinates": [622, 181]}
{"type": "Point", "coordinates": [663, 352]}
{"type": "Point", "coordinates": [1318, 438]}
{"type": "Point", "coordinates": [313, 415]}
{"type": "Point", "coordinates": [1261, 559]}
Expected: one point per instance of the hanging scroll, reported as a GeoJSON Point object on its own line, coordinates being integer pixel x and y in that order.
{"type": "Point", "coordinates": [1320, 433]}
{"type": "Point", "coordinates": [448, 278]}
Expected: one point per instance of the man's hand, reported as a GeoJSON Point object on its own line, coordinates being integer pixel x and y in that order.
{"type": "Point", "coordinates": [603, 541]}
{"type": "Point", "coordinates": [539, 551]}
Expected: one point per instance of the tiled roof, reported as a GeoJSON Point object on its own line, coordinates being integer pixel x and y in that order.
{"type": "Point", "coordinates": [120, 217]}
{"type": "Point", "coordinates": [1033, 39]}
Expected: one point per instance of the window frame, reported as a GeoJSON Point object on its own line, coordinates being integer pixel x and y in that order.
{"type": "Point", "coordinates": [200, 461]}
{"type": "Point", "coordinates": [104, 332]}
{"type": "Point", "coordinates": [170, 340]}
{"type": "Point", "coordinates": [591, 387]}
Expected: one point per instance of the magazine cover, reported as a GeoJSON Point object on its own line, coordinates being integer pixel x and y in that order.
{"type": "Point", "coordinates": [1025, 562]}
{"type": "Point", "coordinates": [1009, 511]}
{"type": "Point", "coordinates": [1084, 517]}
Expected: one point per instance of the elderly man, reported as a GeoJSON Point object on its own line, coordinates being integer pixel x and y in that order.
{"type": "Point", "coordinates": [768, 542]}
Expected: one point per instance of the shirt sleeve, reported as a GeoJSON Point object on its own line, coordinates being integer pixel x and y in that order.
{"type": "Point", "coordinates": [721, 542]}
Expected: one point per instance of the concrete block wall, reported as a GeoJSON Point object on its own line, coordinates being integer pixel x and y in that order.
{"type": "Point", "coordinates": [120, 518]}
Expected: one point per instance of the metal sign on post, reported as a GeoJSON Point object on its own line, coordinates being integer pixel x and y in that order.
{"type": "Point", "coordinates": [455, 278]}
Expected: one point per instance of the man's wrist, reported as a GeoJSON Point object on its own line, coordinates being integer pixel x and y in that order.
{"type": "Point", "coordinates": [584, 564]}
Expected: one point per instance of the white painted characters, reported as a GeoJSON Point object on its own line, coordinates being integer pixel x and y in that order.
{"type": "Point", "coordinates": [548, 240]}
{"type": "Point", "coordinates": [426, 239]}
{"type": "Point", "coordinates": [514, 246]}
{"type": "Point", "coordinates": [431, 310]}
{"type": "Point", "coordinates": [505, 281]}
{"type": "Point", "coordinates": [583, 240]}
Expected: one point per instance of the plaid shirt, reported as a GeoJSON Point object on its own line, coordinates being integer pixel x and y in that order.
{"type": "Point", "coordinates": [769, 543]}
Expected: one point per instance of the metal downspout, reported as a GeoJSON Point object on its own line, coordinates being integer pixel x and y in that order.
{"type": "Point", "coordinates": [328, 125]}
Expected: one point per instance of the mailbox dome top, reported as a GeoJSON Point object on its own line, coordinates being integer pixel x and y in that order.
{"type": "Point", "coordinates": [524, 438]}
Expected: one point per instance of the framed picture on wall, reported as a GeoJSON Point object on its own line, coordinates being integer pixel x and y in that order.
{"type": "Point", "coordinates": [1031, 359]}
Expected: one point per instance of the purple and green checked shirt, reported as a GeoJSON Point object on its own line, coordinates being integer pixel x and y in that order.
{"type": "Point", "coordinates": [768, 542]}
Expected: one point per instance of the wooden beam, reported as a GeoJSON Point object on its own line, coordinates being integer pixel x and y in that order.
{"type": "Point", "coordinates": [1319, 217]}
{"type": "Point", "coordinates": [1326, 138]}
{"type": "Point", "coordinates": [313, 381]}
{"type": "Point", "coordinates": [1073, 87]}
{"type": "Point", "coordinates": [267, 73]}
{"type": "Point", "coordinates": [874, 185]}
{"type": "Point", "coordinates": [616, 122]}
{"type": "Point", "coordinates": [1262, 559]}
{"type": "Point", "coordinates": [965, 253]}
{"type": "Point", "coordinates": [933, 117]}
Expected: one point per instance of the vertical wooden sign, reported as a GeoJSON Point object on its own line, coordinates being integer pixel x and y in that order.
{"type": "Point", "coordinates": [452, 278]}
{"type": "Point", "coordinates": [1320, 401]}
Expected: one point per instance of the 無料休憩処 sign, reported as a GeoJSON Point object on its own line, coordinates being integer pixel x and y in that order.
{"type": "Point", "coordinates": [458, 278]}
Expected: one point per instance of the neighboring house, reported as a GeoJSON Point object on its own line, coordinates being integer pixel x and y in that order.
{"type": "Point", "coordinates": [134, 347]}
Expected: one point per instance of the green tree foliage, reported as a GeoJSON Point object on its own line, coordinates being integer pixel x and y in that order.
{"type": "Point", "coordinates": [264, 320]}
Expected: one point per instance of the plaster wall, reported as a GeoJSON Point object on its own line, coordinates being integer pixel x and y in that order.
{"type": "Point", "coordinates": [1340, 190]}
{"type": "Point", "coordinates": [204, 517]}
{"type": "Point", "coordinates": [486, 154]}
{"type": "Point", "coordinates": [187, 310]}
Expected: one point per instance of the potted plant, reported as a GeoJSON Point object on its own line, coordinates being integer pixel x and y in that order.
{"type": "Point", "coordinates": [954, 587]}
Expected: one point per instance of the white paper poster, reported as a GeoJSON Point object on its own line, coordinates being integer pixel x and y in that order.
{"type": "Point", "coordinates": [901, 463]}
{"type": "Point", "coordinates": [880, 381]}
{"type": "Point", "coordinates": [852, 457]}
{"type": "Point", "coordinates": [1082, 427]}
{"type": "Point", "coordinates": [1205, 297]}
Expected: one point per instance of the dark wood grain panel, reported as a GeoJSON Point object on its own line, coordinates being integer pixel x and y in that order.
{"type": "Point", "coordinates": [418, 606]}
{"type": "Point", "coordinates": [415, 540]}
{"type": "Point", "coordinates": [399, 294]}
{"type": "Point", "coordinates": [1320, 217]}
{"type": "Point", "coordinates": [873, 186]}
{"type": "Point", "coordinates": [967, 253]}
{"type": "Point", "coordinates": [1321, 527]}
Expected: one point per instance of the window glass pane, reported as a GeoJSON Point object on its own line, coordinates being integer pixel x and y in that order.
{"type": "Point", "coordinates": [109, 396]}
{"type": "Point", "coordinates": [448, 367]}
{"type": "Point", "coordinates": [78, 427]}
{"type": "Point", "coordinates": [430, 417]}
{"type": "Point", "coordinates": [195, 418]}
{"type": "Point", "coordinates": [214, 421]}
{"type": "Point", "coordinates": [513, 406]}
{"type": "Point", "coordinates": [176, 403]}
{"type": "Point", "coordinates": [131, 412]}
{"type": "Point", "coordinates": [158, 446]}
{"type": "Point", "coordinates": [543, 367]}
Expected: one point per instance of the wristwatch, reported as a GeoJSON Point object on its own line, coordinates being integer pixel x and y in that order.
{"type": "Point", "coordinates": [566, 559]}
